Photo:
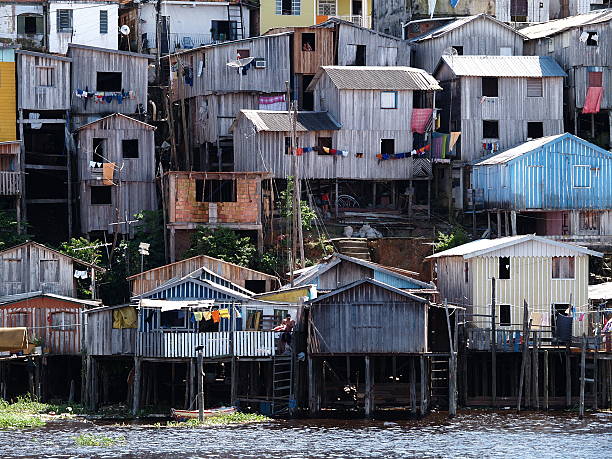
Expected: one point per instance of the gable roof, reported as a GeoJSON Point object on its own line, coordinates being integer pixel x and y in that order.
{"type": "Point", "coordinates": [332, 21]}
{"type": "Point", "coordinates": [205, 283]}
{"type": "Point", "coordinates": [109, 50]}
{"type": "Point", "coordinates": [37, 294]}
{"type": "Point", "coordinates": [532, 145]}
{"type": "Point", "coordinates": [117, 115]}
{"type": "Point", "coordinates": [76, 260]}
{"type": "Point", "coordinates": [204, 273]}
{"type": "Point", "coordinates": [550, 28]}
{"type": "Point", "coordinates": [457, 24]}
{"type": "Point", "coordinates": [503, 66]}
{"type": "Point", "coordinates": [280, 121]}
{"type": "Point", "coordinates": [359, 282]}
{"type": "Point", "coordinates": [44, 55]}
{"type": "Point", "coordinates": [483, 246]}
{"type": "Point", "coordinates": [376, 78]}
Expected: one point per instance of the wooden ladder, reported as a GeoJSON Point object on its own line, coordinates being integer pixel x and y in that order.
{"type": "Point", "coordinates": [282, 384]}
{"type": "Point", "coordinates": [439, 382]}
{"type": "Point", "coordinates": [234, 16]}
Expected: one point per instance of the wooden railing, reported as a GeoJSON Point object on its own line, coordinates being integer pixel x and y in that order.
{"type": "Point", "coordinates": [182, 344]}
{"type": "Point", "coordinates": [10, 183]}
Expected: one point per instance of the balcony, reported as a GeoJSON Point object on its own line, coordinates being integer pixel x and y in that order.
{"type": "Point", "coordinates": [358, 20]}
{"type": "Point", "coordinates": [175, 42]}
{"type": "Point", "coordinates": [10, 183]}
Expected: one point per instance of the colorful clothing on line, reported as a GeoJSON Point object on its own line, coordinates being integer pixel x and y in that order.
{"type": "Point", "coordinates": [420, 119]}
{"type": "Point", "coordinates": [216, 316]}
{"type": "Point", "coordinates": [592, 103]}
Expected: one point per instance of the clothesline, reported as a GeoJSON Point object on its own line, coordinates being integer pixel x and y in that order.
{"type": "Point", "coordinates": [104, 96]}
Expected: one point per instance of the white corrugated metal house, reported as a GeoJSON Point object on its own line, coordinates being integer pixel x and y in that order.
{"type": "Point", "coordinates": [551, 276]}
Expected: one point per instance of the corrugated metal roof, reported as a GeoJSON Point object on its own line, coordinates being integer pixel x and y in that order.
{"type": "Point", "coordinates": [550, 28]}
{"type": "Point", "coordinates": [482, 246]}
{"type": "Point", "coordinates": [268, 120]}
{"type": "Point", "coordinates": [372, 282]}
{"type": "Point", "coordinates": [446, 28]}
{"type": "Point", "coordinates": [517, 151]}
{"type": "Point", "coordinates": [383, 78]}
{"type": "Point", "coordinates": [29, 295]}
{"type": "Point", "coordinates": [504, 66]}
{"type": "Point", "coordinates": [600, 291]}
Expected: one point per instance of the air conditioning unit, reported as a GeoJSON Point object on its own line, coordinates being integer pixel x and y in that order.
{"type": "Point", "coordinates": [261, 64]}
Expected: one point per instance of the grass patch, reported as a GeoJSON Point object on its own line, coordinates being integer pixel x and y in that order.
{"type": "Point", "coordinates": [26, 412]}
{"type": "Point", "coordinates": [97, 440]}
{"type": "Point", "coordinates": [219, 419]}
{"type": "Point", "coordinates": [19, 421]}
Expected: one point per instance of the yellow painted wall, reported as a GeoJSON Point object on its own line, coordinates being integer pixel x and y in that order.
{"type": "Point", "coordinates": [531, 280]}
{"type": "Point", "coordinates": [289, 296]}
{"type": "Point", "coordinates": [268, 19]}
{"type": "Point", "coordinates": [8, 94]}
{"type": "Point", "coordinates": [343, 7]}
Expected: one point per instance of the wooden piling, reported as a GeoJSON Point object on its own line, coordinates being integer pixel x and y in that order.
{"type": "Point", "coordinates": [423, 387]}
{"type": "Point", "coordinates": [582, 376]}
{"type": "Point", "coordinates": [413, 402]}
{"type": "Point", "coordinates": [312, 388]}
{"type": "Point", "coordinates": [200, 385]}
{"type": "Point", "coordinates": [568, 377]}
{"type": "Point", "coordinates": [526, 331]}
{"type": "Point", "coordinates": [137, 378]}
{"type": "Point", "coordinates": [536, 381]}
{"type": "Point", "coordinates": [595, 382]}
{"type": "Point", "coordinates": [369, 394]}
{"type": "Point", "coordinates": [493, 346]}
{"type": "Point", "coordinates": [545, 356]}
{"type": "Point", "coordinates": [234, 381]}
{"type": "Point", "coordinates": [452, 366]}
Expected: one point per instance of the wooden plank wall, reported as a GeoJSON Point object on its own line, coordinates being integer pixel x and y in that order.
{"type": "Point", "coordinates": [20, 271]}
{"type": "Point", "coordinates": [103, 339]}
{"type": "Point", "coordinates": [308, 62]}
{"type": "Point", "coordinates": [31, 96]}
{"type": "Point", "coordinates": [85, 65]}
{"type": "Point", "coordinates": [380, 49]}
{"type": "Point", "coordinates": [39, 311]}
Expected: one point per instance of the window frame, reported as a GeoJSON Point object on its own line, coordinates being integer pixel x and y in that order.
{"type": "Point", "coordinates": [253, 312]}
{"type": "Point", "coordinates": [483, 129]}
{"type": "Point", "coordinates": [589, 220]}
{"type": "Point", "coordinates": [558, 271]}
{"type": "Point", "coordinates": [185, 324]}
{"type": "Point", "coordinates": [331, 4]}
{"type": "Point", "coordinates": [63, 327]}
{"type": "Point", "coordinates": [589, 41]}
{"type": "Point", "coordinates": [40, 271]}
{"type": "Point", "coordinates": [10, 323]}
{"type": "Point", "coordinates": [505, 310]}
{"type": "Point", "coordinates": [321, 143]}
{"type": "Point", "coordinates": [575, 169]}
{"type": "Point", "coordinates": [311, 41]}
{"type": "Point", "coordinates": [503, 272]}
{"type": "Point", "coordinates": [540, 93]}
{"type": "Point", "coordinates": [105, 187]}
{"type": "Point", "coordinates": [104, 22]}
{"type": "Point", "coordinates": [394, 94]}
{"type": "Point", "coordinates": [50, 71]}
{"type": "Point", "coordinates": [388, 141]}
{"type": "Point", "coordinates": [483, 85]}
{"type": "Point", "coordinates": [205, 194]}
{"type": "Point", "coordinates": [64, 29]}
{"type": "Point", "coordinates": [123, 148]}
{"type": "Point", "coordinates": [532, 123]}
{"type": "Point", "coordinates": [106, 85]}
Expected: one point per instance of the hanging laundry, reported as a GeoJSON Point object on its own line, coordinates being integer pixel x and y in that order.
{"type": "Point", "coordinates": [207, 315]}
{"type": "Point", "coordinates": [454, 136]}
{"type": "Point", "coordinates": [224, 313]}
{"type": "Point", "coordinates": [197, 315]}
{"type": "Point", "coordinates": [216, 316]}
{"type": "Point", "coordinates": [592, 103]}
{"type": "Point", "coordinates": [108, 172]}
{"type": "Point", "coordinates": [358, 155]}
{"type": "Point", "coordinates": [453, 3]}
{"type": "Point", "coordinates": [237, 313]}
{"type": "Point", "coordinates": [420, 119]}
{"type": "Point", "coordinates": [431, 5]}
{"type": "Point", "coordinates": [581, 317]}
{"type": "Point", "coordinates": [267, 100]}
{"type": "Point", "coordinates": [439, 144]}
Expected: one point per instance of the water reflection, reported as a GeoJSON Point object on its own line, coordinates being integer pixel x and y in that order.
{"type": "Point", "coordinates": [471, 434]}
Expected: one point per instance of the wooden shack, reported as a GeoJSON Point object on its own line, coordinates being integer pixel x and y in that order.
{"type": "Point", "coordinates": [43, 81]}
{"type": "Point", "coordinates": [366, 332]}
{"type": "Point", "coordinates": [55, 331]}
{"type": "Point", "coordinates": [31, 267]}
{"type": "Point", "coordinates": [233, 200]}
{"type": "Point", "coordinates": [116, 164]}
{"type": "Point", "coordinates": [251, 280]}
{"type": "Point", "coordinates": [11, 187]}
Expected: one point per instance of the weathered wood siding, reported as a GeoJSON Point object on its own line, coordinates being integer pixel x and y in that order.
{"type": "Point", "coordinates": [39, 311]}
{"type": "Point", "coordinates": [512, 108]}
{"type": "Point", "coordinates": [31, 94]}
{"type": "Point", "coordinates": [216, 77]}
{"type": "Point", "coordinates": [86, 62]}
{"type": "Point", "coordinates": [308, 62]}
{"type": "Point", "coordinates": [21, 271]}
{"type": "Point", "coordinates": [380, 49]}
{"type": "Point", "coordinates": [367, 319]}
{"type": "Point", "coordinates": [134, 178]}
{"type": "Point", "coordinates": [479, 37]}
{"type": "Point", "coordinates": [451, 280]}
{"type": "Point", "coordinates": [102, 339]}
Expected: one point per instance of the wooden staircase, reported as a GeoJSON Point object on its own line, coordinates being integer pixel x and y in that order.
{"type": "Point", "coordinates": [356, 248]}
{"type": "Point", "coordinates": [439, 382]}
{"type": "Point", "coordinates": [282, 384]}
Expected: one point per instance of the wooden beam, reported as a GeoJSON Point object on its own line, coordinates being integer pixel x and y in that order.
{"type": "Point", "coordinates": [413, 404]}
{"type": "Point", "coordinates": [423, 388]}
{"type": "Point", "coordinates": [582, 376]}
{"type": "Point", "coordinates": [46, 168]}
{"type": "Point", "coordinates": [137, 378]}
{"type": "Point", "coordinates": [42, 120]}
{"type": "Point", "coordinates": [545, 379]}
{"type": "Point", "coordinates": [369, 395]}
{"type": "Point", "coordinates": [568, 377]}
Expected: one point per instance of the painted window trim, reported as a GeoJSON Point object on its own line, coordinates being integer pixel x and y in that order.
{"type": "Point", "coordinates": [382, 93]}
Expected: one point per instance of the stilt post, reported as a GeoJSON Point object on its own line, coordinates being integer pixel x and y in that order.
{"type": "Point", "coordinates": [582, 376]}
{"type": "Point", "coordinates": [137, 377]}
{"type": "Point", "coordinates": [200, 385]}
{"type": "Point", "coordinates": [369, 396]}
{"type": "Point", "coordinates": [493, 346]}
{"type": "Point", "coordinates": [568, 377]}
{"type": "Point", "coordinates": [413, 403]}
{"type": "Point", "coordinates": [526, 331]}
{"type": "Point", "coordinates": [423, 388]}
{"type": "Point", "coordinates": [452, 367]}
{"type": "Point", "coordinates": [546, 379]}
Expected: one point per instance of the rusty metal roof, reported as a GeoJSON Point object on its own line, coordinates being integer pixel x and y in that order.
{"type": "Point", "coordinates": [503, 66]}
{"type": "Point", "coordinates": [377, 78]}
{"type": "Point", "coordinates": [267, 120]}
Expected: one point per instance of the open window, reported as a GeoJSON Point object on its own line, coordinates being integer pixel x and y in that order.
{"type": "Point", "coordinates": [490, 86]}
{"type": "Point", "coordinates": [98, 149]}
{"type": "Point", "coordinates": [466, 272]}
{"type": "Point", "coordinates": [173, 319]}
{"type": "Point", "coordinates": [504, 315]}
{"type": "Point", "coordinates": [254, 319]}
{"type": "Point", "coordinates": [504, 268]}
{"type": "Point", "coordinates": [129, 148]}
{"type": "Point", "coordinates": [563, 267]}
{"type": "Point", "coordinates": [279, 316]}
{"type": "Point", "coordinates": [30, 24]}
{"type": "Point", "coordinates": [360, 55]}
{"type": "Point", "coordinates": [323, 142]}
{"type": "Point", "coordinates": [592, 39]}
{"type": "Point", "coordinates": [490, 129]}
{"type": "Point", "coordinates": [308, 41]}
{"type": "Point", "coordinates": [288, 145]}
{"type": "Point", "coordinates": [211, 190]}
{"type": "Point", "coordinates": [108, 81]}
{"type": "Point", "coordinates": [387, 146]}
{"type": "Point", "coordinates": [63, 321]}
{"type": "Point", "coordinates": [255, 285]}
{"type": "Point", "coordinates": [459, 50]}
{"type": "Point", "coordinates": [535, 129]}
{"type": "Point", "coordinates": [243, 53]}
{"type": "Point", "coordinates": [48, 271]}
{"type": "Point", "coordinates": [101, 195]}
{"type": "Point", "coordinates": [45, 76]}
{"type": "Point", "coordinates": [589, 220]}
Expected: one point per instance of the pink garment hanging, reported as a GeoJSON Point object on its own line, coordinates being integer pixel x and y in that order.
{"type": "Point", "coordinates": [420, 118]}
{"type": "Point", "coordinates": [592, 102]}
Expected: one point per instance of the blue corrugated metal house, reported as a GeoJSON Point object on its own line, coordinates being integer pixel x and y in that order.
{"type": "Point", "coordinates": [553, 186]}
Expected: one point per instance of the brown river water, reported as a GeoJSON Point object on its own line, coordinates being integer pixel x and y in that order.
{"type": "Point", "coordinates": [471, 434]}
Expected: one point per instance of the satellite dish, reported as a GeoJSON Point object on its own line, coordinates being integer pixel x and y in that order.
{"type": "Point", "coordinates": [124, 30]}
{"type": "Point", "coordinates": [450, 51]}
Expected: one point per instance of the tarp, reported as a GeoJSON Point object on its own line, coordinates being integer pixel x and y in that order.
{"type": "Point", "coordinates": [125, 317]}
{"type": "Point", "coordinates": [592, 102]}
{"type": "Point", "coordinates": [13, 339]}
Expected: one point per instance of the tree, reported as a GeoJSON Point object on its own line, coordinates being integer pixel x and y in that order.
{"type": "Point", "coordinates": [308, 215]}
{"type": "Point", "coordinates": [456, 237]}
{"type": "Point", "coordinates": [9, 231]}
{"type": "Point", "coordinates": [88, 251]}
{"type": "Point", "coordinates": [222, 243]}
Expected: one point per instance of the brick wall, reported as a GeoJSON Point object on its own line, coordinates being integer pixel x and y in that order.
{"type": "Point", "coordinates": [244, 210]}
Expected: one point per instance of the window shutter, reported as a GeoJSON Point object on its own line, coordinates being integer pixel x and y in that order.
{"type": "Point", "coordinates": [103, 21]}
{"type": "Point", "coordinates": [64, 20]}
{"type": "Point", "coordinates": [534, 87]}
{"type": "Point", "coordinates": [40, 25]}
{"type": "Point", "coordinates": [20, 24]}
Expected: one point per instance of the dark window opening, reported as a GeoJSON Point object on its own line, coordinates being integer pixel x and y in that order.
{"type": "Point", "coordinates": [29, 25]}
{"type": "Point", "coordinates": [504, 267]}
{"type": "Point", "coordinates": [286, 7]}
{"type": "Point", "coordinates": [308, 42]}
{"type": "Point", "coordinates": [307, 96]}
{"type": "Point", "coordinates": [489, 86]}
{"type": "Point", "coordinates": [323, 142]}
{"type": "Point", "coordinates": [504, 315]}
{"type": "Point", "coordinates": [215, 190]}
{"type": "Point", "coordinates": [360, 55]}
{"type": "Point", "coordinates": [592, 39]}
{"type": "Point", "coordinates": [101, 195]}
{"type": "Point", "coordinates": [243, 53]}
{"type": "Point", "coordinates": [254, 319]}
{"type": "Point", "coordinates": [98, 155]}
{"type": "Point", "coordinates": [466, 272]}
{"type": "Point", "coordinates": [288, 145]}
{"type": "Point", "coordinates": [518, 10]}
{"type": "Point", "coordinates": [490, 129]}
{"type": "Point", "coordinates": [459, 50]}
{"type": "Point", "coordinates": [224, 30]}
{"type": "Point", "coordinates": [255, 285]}
{"type": "Point", "coordinates": [535, 130]}
{"type": "Point", "coordinates": [387, 146]}
{"type": "Point", "coordinates": [173, 319]}
{"type": "Point", "coordinates": [108, 81]}
{"type": "Point", "coordinates": [129, 148]}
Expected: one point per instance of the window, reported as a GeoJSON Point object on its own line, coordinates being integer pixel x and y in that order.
{"type": "Point", "coordinates": [173, 319]}
{"type": "Point", "coordinates": [535, 129]}
{"type": "Point", "coordinates": [505, 51]}
{"type": "Point", "coordinates": [459, 50]}
{"type": "Point", "coordinates": [563, 267]}
{"type": "Point", "coordinates": [589, 220]}
{"type": "Point", "coordinates": [108, 81]}
{"type": "Point", "coordinates": [215, 191]}
{"type": "Point", "coordinates": [360, 55]}
{"type": "Point", "coordinates": [288, 7]}
{"type": "Point", "coordinates": [504, 315]}
{"type": "Point", "coordinates": [592, 39]}
{"type": "Point", "coordinates": [12, 270]}
{"type": "Point", "coordinates": [327, 7]}
{"type": "Point", "coordinates": [490, 129]}
{"type": "Point", "coordinates": [45, 76]}
{"type": "Point", "coordinates": [129, 147]}
{"type": "Point", "coordinates": [595, 79]}
{"type": "Point", "coordinates": [243, 53]}
{"type": "Point", "coordinates": [466, 272]}
{"type": "Point", "coordinates": [63, 321]}
{"type": "Point", "coordinates": [323, 142]}
{"type": "Point", "coordinates": [582, 176]}
{"type": "Point", "coordinates": [17, 319]}
{"type": "Point", "coordinates": [49, 270]}
{"type": "Point", "coordinates": [387, 146]}
{"type": "Point", "coordinates": [504, 268]}
{"type": "Point", "coordinates": [534, 87]}
{"type": "Point", "coordinates": [255, 285]}
{"type": "Point", "coordinates": [103, 21]}
{"type": "Point", "coordinates": [308, 42]}
{"type": "Point", "coordinates": [518, 10]}
{"type": "Point", "coordinates": [388, 99]}
{"type": "Point", "coordinates": [489, 86]}
{"type": "Point", "coordinates": [64, 20]}
{"type": "Point", "coordinates": [101, 195]}
{"type": "Point", "coordinates": [288, 145]}
{"type": "Point", "coordinates": [98, 153]}
{"type": "Point", "coordinates": [279, 316]}
{"type": "Point", "coordinates": [223, 30]}
{"type": "Point", "coordinates": [254, 319]}
{"type": "Point", "coordinates": [30, 24]}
